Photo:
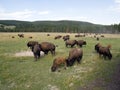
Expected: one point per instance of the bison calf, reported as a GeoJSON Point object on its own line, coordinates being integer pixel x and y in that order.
{"type": "Point", "coordinates": [57, 63]}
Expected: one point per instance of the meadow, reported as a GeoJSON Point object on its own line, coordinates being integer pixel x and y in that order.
{"type": "Point", "coordinates": [23, 73]}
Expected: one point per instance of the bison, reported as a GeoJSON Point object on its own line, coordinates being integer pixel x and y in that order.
{"type": "Point", "coordinates": [105, 51]}
{"type": "Point", "coordinates": [21, 35]}
{"type": "Point", "coordinates": [31, 44]}
{"type": "Point", "coordinates": [36, 51]}
{"type": "Point", "coordinates": [70, 43]}
{"type": "Point", "coordinates": [81, 43]}
{"type": "Point", "coordinates": [97, 47]}
{"type": "Point", "coordinates": [58, 37]}
{"type": "Point", "coordinates": [47, 46]}
{"type": "Point", "coordinates": [74, 54]}
{"type": "Point", "coordinates": [67, 37]}
{"type": "Point", "coordinates": [58, 62]}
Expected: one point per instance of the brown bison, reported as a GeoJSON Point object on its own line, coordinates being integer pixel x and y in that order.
{"type": "Point", "coordinates": [97, 47]}
{"type": "Point", "coordinates": [21, 35]}
{"type": "Point", "coordinates": [105, 51]}
{"type": "Point", "coordinates": [47, 46]}
{"type": "Point", "coordinates": [70, 43]}
{"type": "Point", "coordinates": [30, 37]}
{"type": "Point", "coordinates": [74, 54]}
{"type": "Point", "coordinates": [58, 37]}
{"type": "Point", "coordinates": [81, 43]}
{"type": "Point", "coordinates": [13, 37]}
{"type": "Point", "coordinates": [31, 44]}
{"type": "Point", "coordinates": [36, 51]}
{"type": "Point", "coordinates": [67, 37]}
{"type": "Point", "coordinates": [58, 62]}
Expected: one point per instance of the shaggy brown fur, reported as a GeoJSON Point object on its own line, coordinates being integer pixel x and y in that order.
{"type": "Point", "coordinates": [58, 37]}
{"type": "Point", "coordinates": [36, 51]}
{"type": "Point", "coordinates": [74, 54]}
{"type": "Point", "coordinates": [57, 62]}
{"type": "Point", "coordinates": [47, 46]}
{"type": "Point", "coordinates": [70, 43]}
{"type": "Point", "coordinates": [81, 43]}
{"type": "Point", "coordinates": [31, 44]}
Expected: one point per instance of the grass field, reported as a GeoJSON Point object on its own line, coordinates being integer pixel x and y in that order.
{"type": "Point", "coordinates": [22, 73]}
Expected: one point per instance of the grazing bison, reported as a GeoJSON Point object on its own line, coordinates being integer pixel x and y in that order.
{"type": "Point", "coordinates": [30, 37]}
{"type": "Point", "coordinates": [47, 46]}
{"type": "Point", "coordinates": [31, 44]}
{"type": "Point", "coordinates": [81, 42]}
{"type": "Point", "coordinates": [70, 43]}
{"type": "Point", "coordinates": [21, 35]}
{"type": "Point", "coordinates": [58, 62]}
{"type": "Point", "coordinates": [105, 51]}
{"type": "Point", "coordinates": [97, 47]}
{"type": "Point", "coordinates": [48, 34]}
{"type": "Point", "coordinates": [36, 51]}
{"type": "Point", "coordinates": [67, 37]}
{"type": "Point", "coordinates": [58, 37]}
{"type": "Point", "coordinates": [13, 37]}
{"type": "Point", "coordinates": [74, 54]}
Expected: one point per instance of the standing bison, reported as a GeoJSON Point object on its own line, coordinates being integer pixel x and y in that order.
{"type": "Point", "coordinates": [104, 51]}
{"type": "Point", "coordinates": [70, 43]}
{"type": "Point", "coordinates": [81, 43]}
{"type": "Point", "coordinates": [35, 48]}
{"type": "Point", "coordinates": [58, 62]}
{"type": "Point", "coordinates": [31, 44]}
{"type": "Point", "coordinates": [36, 51]}
{"type": "Point", "coordinates": [47, 46]}
{"type": "Point", "coordinates": [74, 54]}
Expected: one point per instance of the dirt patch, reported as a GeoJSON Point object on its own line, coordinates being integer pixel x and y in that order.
{"type": "Point", "coordinates": [26, 53]}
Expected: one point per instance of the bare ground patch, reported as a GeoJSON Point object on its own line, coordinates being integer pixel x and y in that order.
{"type": "Point", "coordinates": [26, 53]}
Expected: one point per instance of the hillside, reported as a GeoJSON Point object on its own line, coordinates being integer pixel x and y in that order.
{"type": "Point", "coordinates": [54, 26]}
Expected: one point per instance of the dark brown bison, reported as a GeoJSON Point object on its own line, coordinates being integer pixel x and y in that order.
{"type": "Point", "coordinates": [36, 51]}
{"type": "Point", "coordinates": [74, 54]}
{"type": "Point", "coordinates": [58, 62]}
{"type": "Point", "coordinates": [81, 43]}
{"type": "Point", "coordinates": [105, 51]}
{"type": "Point", "coordinates": [77, 35]}
{"type": "Point", "coordinates": [30, 37]}
{"type": "Point", "coordinates": [58, 37]}
{"type": "Point", "coordinates": [21, 35]}
{"type": "Point", "coordinates": [31, 44]}
{"type": "Point", "coordinates": [70, 43]}
{"type": "Point", "coordinates": [67, 37]}
{"type": "Point", "coordinates": [48, 34]}
{"type": "Point", "coordinates": [13, 37]}
{"type": "Point", "coordinates": [97, 47]}
{"type": "Point", "coordinates": [47, 46]}
{"type": "Point", "coordinates": [97, 38]}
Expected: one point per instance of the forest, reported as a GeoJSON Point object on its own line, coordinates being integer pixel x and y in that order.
{"type": "Point", "coordinates": [57, 26]}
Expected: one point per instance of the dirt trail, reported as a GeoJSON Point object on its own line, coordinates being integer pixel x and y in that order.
{"type": "Point", "coordinates": [100, 84]}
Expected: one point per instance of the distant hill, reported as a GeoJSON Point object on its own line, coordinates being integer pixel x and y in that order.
{"type": "Point", "coordinates": [54, 26]}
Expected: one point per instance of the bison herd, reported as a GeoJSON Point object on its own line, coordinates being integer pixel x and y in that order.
{"type": "Point", "coordinates": [74, 55]}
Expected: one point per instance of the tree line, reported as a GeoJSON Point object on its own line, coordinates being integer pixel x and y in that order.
{"type": "Point", "coordinates": [56, 26]}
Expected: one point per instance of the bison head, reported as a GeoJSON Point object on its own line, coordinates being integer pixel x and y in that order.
{"type": "Point", "coordinates": [53, 68]}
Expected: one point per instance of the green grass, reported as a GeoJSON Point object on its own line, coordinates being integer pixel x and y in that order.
{"type": "Point", "coordinates": [22, 73]}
